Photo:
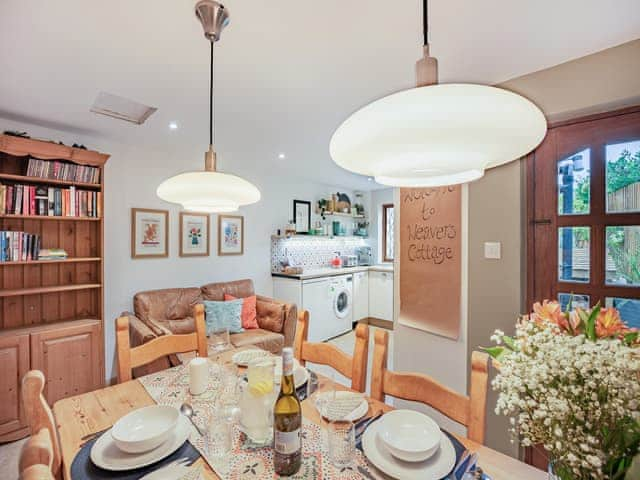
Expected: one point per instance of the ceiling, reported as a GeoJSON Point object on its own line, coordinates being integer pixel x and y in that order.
{"type": "Point", "coordinates": [287, 71]}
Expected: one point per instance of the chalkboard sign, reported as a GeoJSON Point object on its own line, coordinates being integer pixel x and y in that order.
{"type": "Point", "coordinates": [430, 263]}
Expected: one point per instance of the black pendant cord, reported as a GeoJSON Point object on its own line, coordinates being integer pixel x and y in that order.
{"type": "Point", "coordinates": [425, 22]}
{"type": "Point", "coordinates": [211, 97]}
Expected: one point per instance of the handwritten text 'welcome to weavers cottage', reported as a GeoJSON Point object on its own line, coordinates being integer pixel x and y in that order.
{"type": "Point", "coordinates": [427, 238]}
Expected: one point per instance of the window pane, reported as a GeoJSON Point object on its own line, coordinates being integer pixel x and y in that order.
{"type": "Point", "coordinates": [574, 184]}
{"type": "Point", "coordinates": [623, 177]}
{"type": "Point", "coordinates": [623, 255]}
{"type": "Point", "coordinates": [388, 254]}
{"type": "Point", "coordinates": [574, 261]}
{"type": "Point", "coordinates": [578, 300]}
{"type": "Point", "coordinates": [629, 309]}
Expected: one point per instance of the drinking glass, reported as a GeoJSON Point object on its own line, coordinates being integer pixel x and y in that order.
{"type": "Point", "coordinates": [341, 437]}
{"type": "Point", "coordinates": [219, 434]}
{"type": "Point", "coordinates": [219, 339]}
{"type": "Point", "coordinates": [229, 393]}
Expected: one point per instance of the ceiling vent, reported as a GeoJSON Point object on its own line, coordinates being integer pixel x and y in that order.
{"type": "Point", "coordinates": [121, 108]}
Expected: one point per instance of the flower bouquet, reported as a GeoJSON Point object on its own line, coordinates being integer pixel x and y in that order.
{"type": "Point", "coordinates": [570, 380]}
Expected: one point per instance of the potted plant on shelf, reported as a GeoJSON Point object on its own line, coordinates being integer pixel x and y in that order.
{"type": "Point", "coordinates": [570, 380]}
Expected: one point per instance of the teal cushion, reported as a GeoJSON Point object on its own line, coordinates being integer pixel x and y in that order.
{"type": "Point", "coordinates": [221, 315]}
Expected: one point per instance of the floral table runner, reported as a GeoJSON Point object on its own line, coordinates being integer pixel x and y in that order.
{"type": "Point", "coordinates": [246, 461]}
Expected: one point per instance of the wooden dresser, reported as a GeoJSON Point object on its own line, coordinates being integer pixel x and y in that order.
{"type": "Point", "coordinates": [51, 311]}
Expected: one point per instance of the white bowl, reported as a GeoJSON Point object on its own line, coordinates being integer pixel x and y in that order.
{"type": "Point", "coordinates": [144, 429]}
{"type": "Point", "coordinates": [408, 435]}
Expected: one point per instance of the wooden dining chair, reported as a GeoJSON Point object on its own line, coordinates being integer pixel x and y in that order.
{"type": "Point", "coordinates": [130, 358]}
{"type": "Point", "coordinates": [40, 417]}
{"type": "Point", "coordinates": [354, 368]}
{"type": "Point", "coordinates": [36, 457]}
{"type": "Point", "coordinates": [469, 411]}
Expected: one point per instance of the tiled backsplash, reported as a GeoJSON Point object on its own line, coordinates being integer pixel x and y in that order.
{"type": "Point", "coordinates": [310, 251]}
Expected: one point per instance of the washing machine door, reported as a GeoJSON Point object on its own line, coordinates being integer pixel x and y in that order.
{"type": "Point", "coordinates": [342, 302]}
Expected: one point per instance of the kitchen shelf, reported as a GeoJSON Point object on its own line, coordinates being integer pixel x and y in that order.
{"type": "Point", "coordinates": [52, 217]}
{"type": "Point", "coordinates": [340, 214]}
{"type": "Point", "coordinates": [47, 181]}
{"type": "Point", "coordinates": [46, 262]}
{"type": "Point", "coordinates": [330, 237]}
{"type": "Point", "coordinates": [54, 289]}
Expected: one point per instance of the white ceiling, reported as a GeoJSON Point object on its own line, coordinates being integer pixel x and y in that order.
{"type": "Point", "coordinates": [288, 71]}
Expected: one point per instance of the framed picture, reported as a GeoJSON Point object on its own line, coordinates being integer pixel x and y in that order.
{"type": "Point", "coordinates": [149, 233]}
{"type": "Point", "coordinates": [194, 234]}
{"type": "Point", "coordinates": [302, 215]}
{"type": "Point", "coordinates": [230, 235]}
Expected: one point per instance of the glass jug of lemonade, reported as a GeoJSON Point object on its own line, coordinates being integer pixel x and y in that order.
{"type": "Point", "coordinates": [257, 400]}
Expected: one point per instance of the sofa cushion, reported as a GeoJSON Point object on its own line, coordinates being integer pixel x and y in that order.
{"type": "Point", "coordinates": [270, 341]}
{"type": "Point", "coordinates": [270, 315]}
{"type": "Point", "coordinates": [237, 288]}
{"type": "Point", "coordinates": [249, 315]}
{"type": "Point", "coordinates": [220, 315]}
{"type": "Point", "coordinates": [166, 304]}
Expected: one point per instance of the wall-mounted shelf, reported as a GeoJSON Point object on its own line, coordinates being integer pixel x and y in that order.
{"type": "Point", "coordinates": [340, 214]}
{"type": "Point", "coordinates": [323, 237]}
{"type": "Point", "coordinates": [48, 262]}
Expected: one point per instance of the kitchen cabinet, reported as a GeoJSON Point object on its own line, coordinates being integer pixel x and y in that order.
{"type": "Point", "coordinates": [14, 358]}
{"type": "Point", "coordinates": [360, 296]}
{"type": "Point", "coordinates": [381, 295]}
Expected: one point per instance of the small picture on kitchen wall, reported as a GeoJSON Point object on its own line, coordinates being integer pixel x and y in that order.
{"type": "Point", "coordinates": [194, 234]}
{"type": "Point", "coordinates": [230, 235]}
{"type": "Point", "coordinates": [302, 215]}
{"type": "Point", "coordinates": [149, 233]}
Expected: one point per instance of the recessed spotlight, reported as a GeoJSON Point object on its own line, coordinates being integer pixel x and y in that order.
{"type": "Point", "coordinates": [173, 126]}
{"type": "Point", "coordinates": [370, 179]}
{"type": "Point", "coordinates": [282, 156]}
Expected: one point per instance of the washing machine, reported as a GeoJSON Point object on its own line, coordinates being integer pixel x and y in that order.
{"type": "Point", "coordinates": [329, 301]}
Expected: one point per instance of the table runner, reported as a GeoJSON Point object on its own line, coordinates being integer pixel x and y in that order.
{"type": "Point", "coordinates": [171, 387]}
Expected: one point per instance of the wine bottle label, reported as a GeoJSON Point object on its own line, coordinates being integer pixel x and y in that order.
{"type": "Point", "coordinates": [287, 361]}
{"type": "Point", "coordinates": [287, 443]}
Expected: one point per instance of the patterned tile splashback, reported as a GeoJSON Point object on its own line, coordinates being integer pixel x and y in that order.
{"type": "Point", "coordinates": [311, 252]}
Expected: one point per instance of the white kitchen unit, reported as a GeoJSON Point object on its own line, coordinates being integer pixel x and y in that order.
{"type": "Point", "coordinates": [381, 294]}
{"type": "Point", "coordinates": [360, 295]}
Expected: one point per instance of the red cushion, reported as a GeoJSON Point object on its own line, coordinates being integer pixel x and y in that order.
{"type": "Point", "coordinates": [249, 315]}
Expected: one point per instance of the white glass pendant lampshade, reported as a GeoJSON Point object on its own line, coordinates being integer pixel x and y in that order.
{"type": "Point", "coordinates": [438, 135]}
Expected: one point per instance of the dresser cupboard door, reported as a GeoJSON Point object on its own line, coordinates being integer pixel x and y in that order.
{"type": "Point", "coordinates": [70, 359]}
{"type": "Point", "coordinates": [14, 363]}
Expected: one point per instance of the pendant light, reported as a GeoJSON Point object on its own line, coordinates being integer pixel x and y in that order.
{"type": "Point", "coordinates": [435, 135]}
{"type": "Point", "coordinates": [209, 191]}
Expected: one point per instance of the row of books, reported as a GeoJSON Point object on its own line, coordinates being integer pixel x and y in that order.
{"type": "Point", "coordinates": [57, 170]}
{"type": "Point", "coordinates": [49, 201]}
{"type": "Point", "coordinates": [19, 246]}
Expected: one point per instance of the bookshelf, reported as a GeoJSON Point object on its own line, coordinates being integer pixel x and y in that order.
{"type": "Point", "coordinates": [51, 311]}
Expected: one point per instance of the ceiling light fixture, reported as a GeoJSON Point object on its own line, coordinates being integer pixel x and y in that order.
{"type": "Point", "coordinates": [282, 156]}
{"type": "Point", "coordinates": [209, 190]}
{"type": "Point", "coordinates": [435, 135]}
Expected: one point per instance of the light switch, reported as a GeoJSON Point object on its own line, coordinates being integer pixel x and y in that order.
{"type": "Point", "coordinates": [492, 250]}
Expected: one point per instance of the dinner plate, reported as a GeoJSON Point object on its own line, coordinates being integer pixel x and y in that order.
{"type": "Point", "coordinates": [436, 466]}
{"type": "Point", "coordinates": [244, 357]}
{"type": "Point", "coordinates": [356, 414]}
{"type": "Point", "coordinates": [105, 454]}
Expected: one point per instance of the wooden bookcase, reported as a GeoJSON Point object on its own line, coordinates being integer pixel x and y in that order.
{"type": "Point", "coordinates": [52, 311]}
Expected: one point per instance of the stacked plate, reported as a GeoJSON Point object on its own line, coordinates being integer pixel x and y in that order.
{"type": "Point", "coordinates": [408, 445]}
{"type": "Point", "coordinates": [140, 438]}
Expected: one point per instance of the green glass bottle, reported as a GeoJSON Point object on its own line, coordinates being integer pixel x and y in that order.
{"type": "Point", "coordinates": [287, 422]}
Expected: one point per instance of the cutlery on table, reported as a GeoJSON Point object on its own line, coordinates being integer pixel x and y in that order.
{"type": "Point", "coordinates": [361, 425]}
{"type": "Point", "coordinates": [187, 411]}
{"type": "Point", "coordinates": [171, 471]}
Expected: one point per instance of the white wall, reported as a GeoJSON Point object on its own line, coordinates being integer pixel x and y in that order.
{"type": "Point", "coordinates": [131, 177]}
{"type": "Point", "coordinates": [378, 198]}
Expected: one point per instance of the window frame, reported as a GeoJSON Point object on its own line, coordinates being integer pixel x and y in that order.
{"type": "Point", "coordinates": [385, 208]}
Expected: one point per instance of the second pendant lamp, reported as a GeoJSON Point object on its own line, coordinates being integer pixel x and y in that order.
{"type": "Point", "coordinates": [435, 135]}
{"type": "Point", "coordinates": [208, 190]}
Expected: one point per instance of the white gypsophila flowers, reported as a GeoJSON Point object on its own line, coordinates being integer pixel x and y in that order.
{"type": "Point", "coordinates": [561, 390]}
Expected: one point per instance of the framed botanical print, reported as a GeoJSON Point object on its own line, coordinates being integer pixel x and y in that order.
{"type": "Point", "coordinates": [230, 235]}
{"type": "Point", "coordinates": [149, 233]}
{"type": "Point", "coordinates": [194, 234]}
{"type": "Point", "coordinates": [302, 215]}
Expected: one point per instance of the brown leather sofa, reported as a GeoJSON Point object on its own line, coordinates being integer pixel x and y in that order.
{"type": "Point", "coordinates": [167, 311]}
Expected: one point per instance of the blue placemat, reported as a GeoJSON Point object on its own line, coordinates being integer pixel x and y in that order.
{"type": "Point", "coordinates": [83, 468]}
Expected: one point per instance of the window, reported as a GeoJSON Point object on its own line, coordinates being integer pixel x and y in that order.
{"type": "Point", "coordinates": [583, 204]}
{"type": "Point", "coordinates": [387, 232]}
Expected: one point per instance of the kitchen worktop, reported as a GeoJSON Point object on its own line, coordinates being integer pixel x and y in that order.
{"type": "Point", "coordinates": [332, 272]}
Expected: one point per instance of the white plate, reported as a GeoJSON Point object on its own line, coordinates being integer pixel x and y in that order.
{"type": "Point", "coordinates": [244, 357]}
{"type": "Point", "coordinates": [437, 466]}
{"type": "Point", "coordinates": [300, 374]}
{"type": "Point", "coordinates": [105, 454]}
{"type": "Point", "coordinates": [356, 414]}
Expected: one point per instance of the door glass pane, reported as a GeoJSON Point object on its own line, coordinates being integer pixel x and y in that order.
{"type": "Point", "coordinates": [623, 255]}
{"type": "Point", "coordinates": [574, 184]}
{"type": "Point", "coordinates": [574, 261]}
{"type": "Point", "coordinates": [623, 177]}
{"type": "Point", "coordinates": [388, 231]}
{"type": "Point", "coordinates": [578, 300]}
{"type": "Point", "coordinates": [629, 309]}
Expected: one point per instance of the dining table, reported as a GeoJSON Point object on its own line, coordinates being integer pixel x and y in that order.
{"type": "Point", "coordinates": [81, 417]}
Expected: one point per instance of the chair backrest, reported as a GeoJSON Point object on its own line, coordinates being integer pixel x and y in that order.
{"type": "Point", "coordinates": [129, 358]}
{"type": "Point", "coordinates": [37, 472]}
{"type": "Point", "coordinates": [40, 417]}
{"type": "Point", "coordinates": [469, 411]}
{"type": "Point", "coordinates": [354, 367]}
{"type": "Point", "coordinates": [37, 452]}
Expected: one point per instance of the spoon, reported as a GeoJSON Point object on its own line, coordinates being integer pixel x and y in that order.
{"type": "Point", "coordinates": [187, 411]}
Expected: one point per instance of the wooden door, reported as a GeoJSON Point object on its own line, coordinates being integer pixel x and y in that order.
{"type": "Point", "coordinates": [70, 359]}
{"type": "Point", "coordinates": [14, 363]}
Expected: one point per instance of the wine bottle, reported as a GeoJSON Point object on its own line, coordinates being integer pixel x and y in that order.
{"type": "Point", "coordinates": [287, 422]}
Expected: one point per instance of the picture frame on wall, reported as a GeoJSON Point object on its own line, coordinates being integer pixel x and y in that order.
{"type": "Point", "coordinates": [230, 234]}
{"type": "Point", "coordinates": [302, 216]}
{"type": "Point", "coordinates": [149, 233]}
{"type": "Point", "coordinates": [194, 234]}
